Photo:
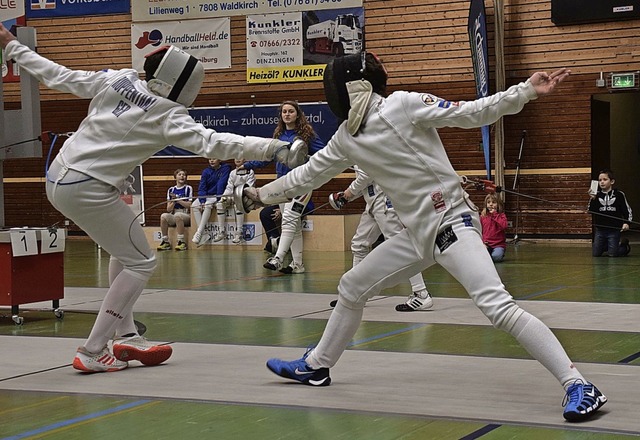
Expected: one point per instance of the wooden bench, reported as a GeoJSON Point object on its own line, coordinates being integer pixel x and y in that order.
{"type": "Point", "coordinates": [321, 233]}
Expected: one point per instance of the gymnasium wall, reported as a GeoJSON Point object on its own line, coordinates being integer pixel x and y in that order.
{"type": "Point", "coordinates": [425, 47]}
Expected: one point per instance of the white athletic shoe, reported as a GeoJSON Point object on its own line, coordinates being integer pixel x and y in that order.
{"type": "Point", "coordinates": [237, 239]}
{"type": "Point", "coordinates": [293, 268]}
{"type": "Point", "coordinates": [196, 237]}
{"type": "Point", "coordinates": [417, 301]}
{"type": "Point", "coordinates": [137, 348]}
{"type": "Point", "coordinates": [273, 263]}
{"type": "Point", "coordinates": [218, 237]}
{"type": "Point", "coordinates": [100, 362]}
{"type": "Point", "coordinates": [204, 239]}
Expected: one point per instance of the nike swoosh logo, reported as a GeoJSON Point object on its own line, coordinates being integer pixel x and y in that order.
{"type": "Point", "coordinates": [302, 373]}
{"type": "Point", "coordinates": [318, 382]}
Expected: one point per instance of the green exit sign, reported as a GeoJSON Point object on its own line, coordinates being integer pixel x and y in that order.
{"type": "Point", "coordinates": [623, 80]}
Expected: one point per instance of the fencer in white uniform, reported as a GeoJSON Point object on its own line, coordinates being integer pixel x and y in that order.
{"type": "Point", "coordinates": [239, 177]}
{"type": "Point", "coordinates": [395, 140]}
{"type": "Point", "coordinates": [379, 217]}
{"type": "Point", "coordinates": [128, 121]}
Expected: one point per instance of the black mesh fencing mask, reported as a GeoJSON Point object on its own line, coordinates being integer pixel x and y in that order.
{"type": "Point", "coordinates": [336, 75]}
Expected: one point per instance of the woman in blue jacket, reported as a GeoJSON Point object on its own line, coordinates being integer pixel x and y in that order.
{"type": "Point", "coordinates": [292, 123]}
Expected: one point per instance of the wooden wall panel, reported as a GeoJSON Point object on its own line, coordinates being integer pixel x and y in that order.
{"type": "Point", "coordinates": [424, 44]}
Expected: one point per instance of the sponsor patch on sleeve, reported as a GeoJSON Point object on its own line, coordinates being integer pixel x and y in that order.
{"type": "Point", "coordinates": [438, 201]}
{"type": "Point", "coordinates": [447, 104]}
{"type": "Point", "coordinates": [371, 191]}
{"type": "Point", "coordinates": [297, 207]}
{"type": "Point", "coordinates": [429, 99]}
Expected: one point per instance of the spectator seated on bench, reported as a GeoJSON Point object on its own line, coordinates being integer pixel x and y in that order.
{"type": "Point", "coordinates": [179, 199]}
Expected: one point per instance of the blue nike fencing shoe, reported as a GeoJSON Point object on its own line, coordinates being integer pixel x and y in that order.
{"type": "Point", "coordinates": [301, 371]}
{"type": "Point", "coordinates": [582, 401]}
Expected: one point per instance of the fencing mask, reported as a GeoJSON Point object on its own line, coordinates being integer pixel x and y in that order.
{"type": "Point", "coordinates": [349, 82]}
{"type": "Point", "coordinates": [337, 74]}
{"type": "Point", "coordinates": [178, 77]}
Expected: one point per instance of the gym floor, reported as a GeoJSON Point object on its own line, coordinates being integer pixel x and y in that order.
{"type": "Point", "coordinates": [440, 374]}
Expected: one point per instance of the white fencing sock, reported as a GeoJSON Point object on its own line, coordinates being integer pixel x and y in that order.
{"type": "Point", "coordinates": [286, 238]}
{"type": "Point", "coordinates": [543, 345]}
{"type": "Point", "coordinates": [417, 283]}
{"type": "Point", "coordinates": [296, 247]}
{"type": "Point", "coordinates": [341, 327]}
{"type": "Point", "coordinates": [239, 223]}
{"type": "Point", "coordinates": [127, 325]}
{"type": "Point", "coordinates": [204, 219]}
{"type": "Point", "coordinates": [221, 219]}
{"type": "Point", "coordinates": [116, 307]}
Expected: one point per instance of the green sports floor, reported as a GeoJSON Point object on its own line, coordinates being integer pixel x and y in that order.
{"type": "Point", "coordinates": [441, 374]}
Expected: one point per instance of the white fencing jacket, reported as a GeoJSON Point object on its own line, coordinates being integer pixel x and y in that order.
{"type": "Point", "coordinates": [126, 123]}
{"type": "Point", "coordinates": [398, 146]}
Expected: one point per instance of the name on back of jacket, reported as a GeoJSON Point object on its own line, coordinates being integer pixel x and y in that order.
{"type": "Point", "coordinates": [128, 91]}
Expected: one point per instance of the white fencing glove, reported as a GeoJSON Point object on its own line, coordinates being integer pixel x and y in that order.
{"type": "Point", "coordinates": [249, 197]}
{"type": "Point", "coordinates": [292, 155]}
{"type": "Point", "coordinates": [226, 201]}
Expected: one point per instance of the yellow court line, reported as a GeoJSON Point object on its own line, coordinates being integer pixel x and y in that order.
{"type": "Point", "coordinates": [403, 333]}
{"type": "Point", "coordinates": [34, 405]}
{"type": "Point", "coordinates": [625, 275]}
{"type": "Point", "coordinates": [289, 341]}
{"type": "Point", "coordinates": [86, 422]}
{"type": "Point", "coordinates": [562, 276]}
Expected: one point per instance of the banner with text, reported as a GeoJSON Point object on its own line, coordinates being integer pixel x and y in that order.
{"type": "Point", "coordinates": [297, 46]}
{"type": "Point", "coordinates": [477, 28]}
{"type": "Point", "coordinates": [161, 10]}
{"type": "Point", "coordinates": [11, 9]}
{"type": "Point", "coordinates": [258, 120]}
{"type": "Point", "coordinates": [70, 8]}
{"type": "Point", "coordinates": [274, 49]}
{"type": "Point", "coordinates": [208, 40]}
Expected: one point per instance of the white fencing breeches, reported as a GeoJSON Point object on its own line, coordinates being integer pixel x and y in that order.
{"type": "Point", "coordinates": [373, 222]}
{"type": "Point", "coordinates": [462, 253]}
{"type": "Point", "coordinates": [96, 207]}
